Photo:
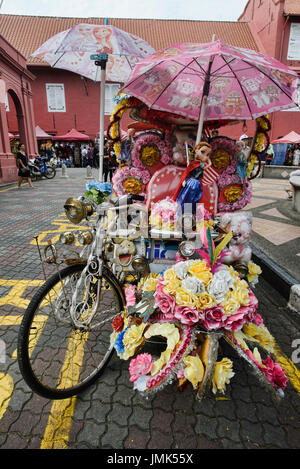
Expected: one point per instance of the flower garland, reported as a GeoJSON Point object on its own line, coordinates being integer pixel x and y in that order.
{"type": "Point", "coordinates": [163, 214]}
{"type": "Point", "coordinates": [150, 149]}
{"type": "Point", "coordinates": [190, 297]}
{"type": "Point", "coordinates": [261, 136]}
{"type": "Point", "coordinates": [124, 102]}
{"type": "Point", "coordinates": [128, 180]}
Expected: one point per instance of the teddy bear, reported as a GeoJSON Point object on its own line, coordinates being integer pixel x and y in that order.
{"type": "Point", "coordinates": [238, 250]}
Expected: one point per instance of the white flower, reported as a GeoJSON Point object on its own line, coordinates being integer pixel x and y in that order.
{"type": "Point", "coordinates": [193, 285]}
{"type": "Point", "coordinates": [220, 284]}
{"type": "Point", "coordinates": [181, 268]}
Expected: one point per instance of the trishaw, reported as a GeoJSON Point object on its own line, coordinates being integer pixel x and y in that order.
{"type": "Point", "coordinates": [145, 272]}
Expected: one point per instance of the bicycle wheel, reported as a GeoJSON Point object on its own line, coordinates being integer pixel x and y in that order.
{"type": "Point", "coordinates": [58, 360]}
{"type": "Point", "coordinates": [50, 172]}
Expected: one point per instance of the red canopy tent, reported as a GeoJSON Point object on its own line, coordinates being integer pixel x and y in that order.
{"type": "Point", "coordinates": [72, 135]}
{"type": "Point", "coordinates": [41, 134]}
{"type": "Point", "coordinates": [291, 137]}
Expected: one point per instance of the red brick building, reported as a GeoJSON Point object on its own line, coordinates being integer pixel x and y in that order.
{"type": "Point", "coordinates": [275, 25]}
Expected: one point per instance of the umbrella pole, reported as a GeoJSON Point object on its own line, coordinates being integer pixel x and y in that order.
{"type": "Point", "coordinates": [201, 120]}
{"type": "Point", "coordinates": [101, 129]}
{"type": "Point", "coordinates": [101, 61]}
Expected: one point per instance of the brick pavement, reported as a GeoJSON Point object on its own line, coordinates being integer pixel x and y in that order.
{"type": "Point", "coordinates": [110, 414]}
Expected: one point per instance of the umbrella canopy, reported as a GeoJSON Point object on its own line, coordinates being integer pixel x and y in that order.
{"type": "Point", "coordinates": [41, 134]}
{"type": "Point", "coordinates": [291, 137]}
{"type": "Point", "coordinates": [213, 81]}
{"type": "Point", "coordinates": [71, 50]}
{"type": "Point", "coordinates": [87, 48]}
{"type": "Point", "coordinates": [72, 135]}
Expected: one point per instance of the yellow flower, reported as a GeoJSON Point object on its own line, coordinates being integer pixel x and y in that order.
{"type": "Point", "coordinates": [200, 270]}
{"type": "Point", "coordinates": [233, 193]}
{"type": "Point", "coordinates": [184, 298]}
{"type": "Point", "coordinates": [153, 276]}
{"type": "Point", "coordinates": [230, 304]}
{"type": "Point", "coordinates": [150, 284]}
{"type": "Point", "coordinates": [150, 155]}
{"type": "Point", "coordinates": [169, 274]}
{"type": "Point", "coordinates": [155, 220]}
{"type": "Point", "coordinates": [253, 271]}
{"type": "Point", "coordinates": [167, 330]}
{"type": "Point", "coordinates": [222, 375]}
{"type": "Point", "coordinates": [261, 335]}
{"type": "Point", "coordinates": [163, 359]}
{"type": "Point", "coordinates": [194, 370]}
{"type": "Point", "coordinates": [132, 339]}
{"type": "Point", "coordinates": [241, 294]}
{"type": "Point", "coordinates": [205, 301]}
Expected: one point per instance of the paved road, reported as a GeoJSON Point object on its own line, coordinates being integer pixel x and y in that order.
{"type": "Point", "coordinates": [110, 414]}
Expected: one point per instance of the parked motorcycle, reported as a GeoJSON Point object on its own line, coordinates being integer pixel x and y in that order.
{"type": "Point", "coordinates": [39, 168]}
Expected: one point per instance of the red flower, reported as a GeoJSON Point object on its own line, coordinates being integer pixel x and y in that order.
{"type": "Point", "coordinates": [118, 323]}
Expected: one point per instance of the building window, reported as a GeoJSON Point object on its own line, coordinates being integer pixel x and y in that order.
{"type": "Point", "coordinates": [56, 97]}
{"type": "Point", "coordinates": [294, 42]}
{"type": "Point", "coordinates": [111, 89]}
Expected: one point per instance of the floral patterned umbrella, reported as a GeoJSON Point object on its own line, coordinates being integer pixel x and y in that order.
{"type": "Point", "coordinates": [72, 49]}
{"type": "Point", "coordinates": [213, 81]}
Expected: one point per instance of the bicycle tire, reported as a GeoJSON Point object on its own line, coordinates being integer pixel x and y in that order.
{"type": "Point", "coordinates": [38, 352]}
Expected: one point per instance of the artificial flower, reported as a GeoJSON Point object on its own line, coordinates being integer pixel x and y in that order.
{"type": "Point", "coordinates": [222, 375]}
{"type": "Point", "coordinates": [130, 295]}
{"type": "Point", "coordinates": [184, 298]}
{"type": "Point", "coordinates": [194, 370]}
{"type": "Point", "coordinates": [230, 304]}
{"type": "Point", "coordinates": [253, 272]}
{"type": "Point", "coordinates": [167, 330]}
{"type": "Point", "coordinates": [219, 285]}
{"type": "Point", "coordinates": [260, 334]}
{"type": "Point", "coordinates": [212, 318]}
{"type": "Point", "coordinates": [150, 284]}
{"type": "Point", "coordinates": [186, 315]}
{"type": "Point", "coordinates": [118, 323]}
{"type": "Point", "coordinates": [275, 374]}
{"type": "Point", "coordinates": [119, 343]}
{"type": "Point", "coordinates": [205, 300]}
{"type": "Point", "coordinates": [200, 270]}
{"type": "Point", "coordinates": [160, 363]}
{"type": "Point", "coordinates": [132, 339]}
{"type": "Point", "coordinates": [181, 268]}
{"type": "Point", "coordinates": [166, 303]}
{"type": "Point", "coordinates": [241, 294]}
{"type": "Point", "coordinates": [193, 285]}
{"type": "Point", "coordinates": [139, 366]}
{"type": "Point", "coordinates": [235, 321]}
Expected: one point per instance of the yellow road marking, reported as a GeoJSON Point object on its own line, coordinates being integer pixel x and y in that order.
{"type": "Point", "coordinates": [14, 296]}
{"type": "Point", "coordinates": [59, 423]}
{"type": "Point", "coordinates": [10, 188]}
{"type": "Point", "coordinates": [6, 390]}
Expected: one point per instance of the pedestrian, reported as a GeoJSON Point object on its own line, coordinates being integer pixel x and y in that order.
{"type": "Point", "coordinates": [90, 157]}
{"type": "Point", "coordinates": [22, 163]}
{"type": "Point", "coordinates": [84, 153]}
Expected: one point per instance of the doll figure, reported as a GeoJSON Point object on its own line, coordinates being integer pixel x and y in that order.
{"type": "Point", "coordinates": [241, 161]}
{"type": "Point", "coordinates": [189, 189]}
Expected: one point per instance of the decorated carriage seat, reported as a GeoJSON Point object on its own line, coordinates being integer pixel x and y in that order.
{"type": "Point", "coordinates": [164, 182]}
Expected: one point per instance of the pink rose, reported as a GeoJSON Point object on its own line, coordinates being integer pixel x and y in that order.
{"type": "Point", "coordinates": [186, 315]}
{"type": "Point", "coordinates": [166, 303]}
{"type": "Point", "coordinates": [130, 295]}
{"type": "Point", "coordinates": [140, 366]}
{"type": "Point", "coordinates": [235, 321]}
{"type": "Point", "coordinates": [213, 318]}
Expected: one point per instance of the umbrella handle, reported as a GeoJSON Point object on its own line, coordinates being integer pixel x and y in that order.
{"type": "Point", "coordinates": [101, 128]}
{"type": "Point", "coordinates": [201, 120]}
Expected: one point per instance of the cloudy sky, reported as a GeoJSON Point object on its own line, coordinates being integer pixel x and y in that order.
{"type": "Point", "coordinates": [213, 10]}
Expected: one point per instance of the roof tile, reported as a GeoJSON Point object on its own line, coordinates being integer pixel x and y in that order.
{"type": "Point", "coordinates": [27, 33]}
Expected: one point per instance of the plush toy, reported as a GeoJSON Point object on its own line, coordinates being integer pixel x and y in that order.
{"type": "Point", "coordinates": [240, 223]}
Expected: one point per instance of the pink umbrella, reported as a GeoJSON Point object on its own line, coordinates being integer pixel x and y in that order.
{"type": "Point", "coordinates": [113, 51]}
{"type": "Point", "coordinates": [213, 81]}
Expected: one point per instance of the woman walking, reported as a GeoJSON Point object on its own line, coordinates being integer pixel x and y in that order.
{"type": "Point", "coordinates": [22, 161]}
